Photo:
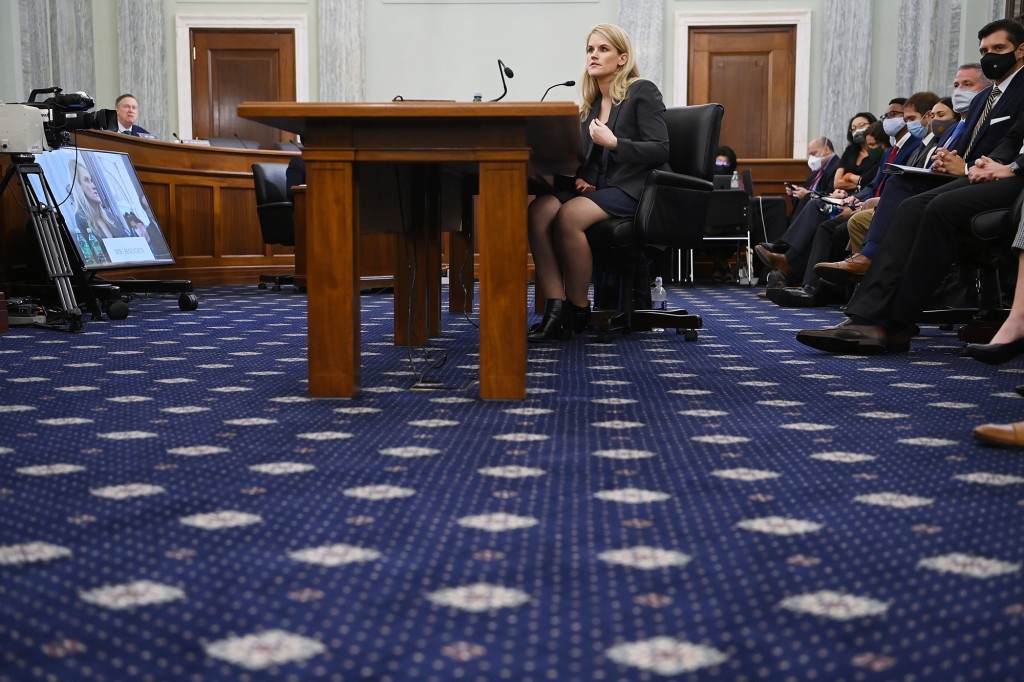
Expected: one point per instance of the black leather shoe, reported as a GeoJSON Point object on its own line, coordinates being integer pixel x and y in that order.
{"type": "Point", "coordinates": [994, 353]}
{"type": "Point", "coordinates": [849, 339]}
{"type": "Point", "coordinates": [774, 247]}
{"type": "Point", "coordinates": [579, 318]}
{"type": "Point", "coordinates": [792, 297]}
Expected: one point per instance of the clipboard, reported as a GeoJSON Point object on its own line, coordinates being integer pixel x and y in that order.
{"type": "Point", "coordinates": [916, 172]}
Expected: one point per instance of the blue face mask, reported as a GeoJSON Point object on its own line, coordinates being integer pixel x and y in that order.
{"type": "Point", "coordinates": [917, 129]}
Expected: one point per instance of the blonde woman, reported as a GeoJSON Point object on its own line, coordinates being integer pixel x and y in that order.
{"type": "Point", "coordinates": [622, 121]}
{"type": "Point", "coordinates": [90, 214]}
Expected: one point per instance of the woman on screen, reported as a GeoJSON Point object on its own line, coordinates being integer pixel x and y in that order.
{"type": "Point", "coordinates": [94, 222]}
{"type": "Point", "coordinates": [624, 138]}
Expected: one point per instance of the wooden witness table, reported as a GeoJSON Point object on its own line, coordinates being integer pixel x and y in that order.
{"type": "Point", "coordinates": [497, 141]}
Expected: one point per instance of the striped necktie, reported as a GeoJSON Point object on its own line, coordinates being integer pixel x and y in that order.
{"type": "Point", "coordinates": [981, 120]}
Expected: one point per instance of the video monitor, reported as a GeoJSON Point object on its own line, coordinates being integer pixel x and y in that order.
{"type": "Point", "coordinates": [106, 211]}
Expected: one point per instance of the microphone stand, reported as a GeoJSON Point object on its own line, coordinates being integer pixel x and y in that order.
{"type": "Point", "coordinates": [504, 71]}
{"type": "Point", "coordinates": [567, 84]}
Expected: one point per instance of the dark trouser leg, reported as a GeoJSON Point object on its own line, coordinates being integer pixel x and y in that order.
{"type": "Point", "coordinates": [946, 221]}
{"type": "Point", "coordinates": [800, 234]}
{"type": "Point", "coordinates": [872, 303]}
{"type": "Point", "coordinates": [822, 249]}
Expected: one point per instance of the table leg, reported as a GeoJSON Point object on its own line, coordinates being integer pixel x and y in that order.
{"type": "Point", "coordinates": [501, 238]}
{"type": "Point", "coordinates": [333, 278]}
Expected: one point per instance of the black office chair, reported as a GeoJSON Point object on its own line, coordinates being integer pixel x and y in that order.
{"type": "Point", "coordinates": [672, 213]}
{"type": "Point", "coordinates": [276, 213]}
{"type": "Point", "coordinates": [729, 220]}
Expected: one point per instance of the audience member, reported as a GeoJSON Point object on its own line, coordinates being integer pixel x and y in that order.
{"type": "Point", "coordinates": [926, 229]}
{"type": "Point", "coordinates": [621, 146]}
{"type": "Point", "coordinates": [856, 166]}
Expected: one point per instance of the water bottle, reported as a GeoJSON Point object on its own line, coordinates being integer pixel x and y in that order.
{"type": "Point", "coordinates": [478, 96]}
{"type": "Point", "coordinates": [659, 299]}
{"type": "Point", "coordinates": [734, 183]}
{"type": "Point", "coordinates": [84, 249]}
{"type": "Point", "coordinates": [97, 248]}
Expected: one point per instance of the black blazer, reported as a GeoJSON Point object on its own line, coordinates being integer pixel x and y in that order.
{"type": "Point", "coordinates": [639, 124]}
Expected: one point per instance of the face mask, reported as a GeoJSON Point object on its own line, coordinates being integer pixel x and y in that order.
{"type": "Point", "coordinates": [940, 126]}
{"type": "Point", "coordinates": [962, 100]}
{"type": "Point", "coordinates": [891, 126]}
{"type": "Point", "coordinates": [875, 153]}
{"type": "Point", "coordinates": [858, 135]}
{"type": "Point", "coordinates": [721, 164]}
{"type": "Point", "coordinates": [917, 129]}
{"type": "Point", "coordinates": [995, 66]}
{"type": "Point", "coordinates": [814, 163]}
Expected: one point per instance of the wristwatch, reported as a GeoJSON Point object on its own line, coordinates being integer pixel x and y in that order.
{"type": "Point", "coordinates": [1016, 169]}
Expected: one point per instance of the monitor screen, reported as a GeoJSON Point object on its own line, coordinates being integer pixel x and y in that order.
{"type": "Point", "coordinates": [106, 211]}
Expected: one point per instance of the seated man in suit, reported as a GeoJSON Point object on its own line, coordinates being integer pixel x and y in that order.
{"type": "Point", "coordinates": [926, 229]}
{"type": "Point", "coordinates": [127, 109]}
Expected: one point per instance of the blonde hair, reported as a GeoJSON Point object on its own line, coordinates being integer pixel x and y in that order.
{"type": "Point", "coordinates": [626, 75]}
{"type": "Point", "coordinates": [95, 214]}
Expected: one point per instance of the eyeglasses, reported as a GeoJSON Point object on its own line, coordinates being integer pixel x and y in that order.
{"type": "Point", "coordinates": [891, 114]}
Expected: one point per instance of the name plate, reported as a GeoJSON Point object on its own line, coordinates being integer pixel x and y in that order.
{"type": "Point", "coordinates": [128, 249]}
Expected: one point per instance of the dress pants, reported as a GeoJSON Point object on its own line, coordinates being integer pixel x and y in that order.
{"type": "Point", "coordinates": [897, 189]}
{"type": "Point", "coordinates": [829, 245]}
{"type": "Point", "coordinates": [800, 234]}
{"type": "Point", "coordinates": [921, 246]}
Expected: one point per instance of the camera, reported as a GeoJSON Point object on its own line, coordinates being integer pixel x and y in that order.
{"type": "Point", "coordinates": [39, 125]}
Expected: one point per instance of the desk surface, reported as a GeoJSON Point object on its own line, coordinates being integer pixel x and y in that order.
{"type": "Point", "coordinates": [495, 140]}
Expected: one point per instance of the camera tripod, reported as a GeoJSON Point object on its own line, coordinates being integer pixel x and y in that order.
{"type": "Point", "coordinates": [49, 231]}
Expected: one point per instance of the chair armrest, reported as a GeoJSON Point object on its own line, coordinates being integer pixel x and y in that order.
{"type": "Point", "coordinates": [992, 224]}
{"type": "Point", "coordinates": [677, 181]}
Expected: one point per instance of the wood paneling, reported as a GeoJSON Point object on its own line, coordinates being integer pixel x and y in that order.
{"type": "Point", "coordinates": [751, 72]}
{"type": "Point", "coordinates": [233, 66]}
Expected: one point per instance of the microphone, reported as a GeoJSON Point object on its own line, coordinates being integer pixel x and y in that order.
{"type": "Point", "coordinates": [567, 84]}
{"type": "Point", "coordinates": [504, 71]}
{"type": "Point", "coordinates": [244, 145]}
{"type": "Point", "coordinates": [175, 136]}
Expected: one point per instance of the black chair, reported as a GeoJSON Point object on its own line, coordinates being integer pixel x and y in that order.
{"type": "Point", "coordinates": [672, 213]}
{"type": "Point", "coordinates": [276, 213]}
{"type": "Point", "coordinates": [729, 220]}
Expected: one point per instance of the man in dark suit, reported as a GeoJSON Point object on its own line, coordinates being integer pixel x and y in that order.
{"type": "Point", "coordinates": [127, 109]}
{"type": "Point", "coordinates": [923, 241]}
{"type": "Point", "coordinates": [984, 126]}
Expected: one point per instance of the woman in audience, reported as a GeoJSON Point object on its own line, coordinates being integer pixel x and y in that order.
{"type": "Point", "coordinates": [943, 117]}
{"type": "Point", "coordinates": [624, 137]}
{"type": "Point", "coordinates": [856, 166]}
{"type": "Point", "coordinates": [725, 161]}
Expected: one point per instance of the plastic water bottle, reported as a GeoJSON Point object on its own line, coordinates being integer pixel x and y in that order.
{"type": "Point", "coordinates": [478, 96]}
{"type": "Point", "coordinates": [734, 183]}
{"type": "Point", "coordinates": [659, 299]}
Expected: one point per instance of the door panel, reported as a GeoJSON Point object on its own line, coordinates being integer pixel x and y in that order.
{"type": "Point", "coordinates": [233, 66]}
{"type": "Point", "coordinates": [751, 71]}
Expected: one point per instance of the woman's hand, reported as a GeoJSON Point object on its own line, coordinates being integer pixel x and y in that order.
{"type": "Point", "coordinates": [602, 135]}
{"type": "Point", "coordinates": [584, 187]}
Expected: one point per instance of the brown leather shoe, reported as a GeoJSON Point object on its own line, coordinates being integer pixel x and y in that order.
{"type": "Point", "coordinates": [776, 261]}
{"type": "Point", "coordinates": [844, 272]}
{"type": "Point", "coordinates": [849, 339]}
{"type": "Point", "coordinates": [1011, 435]}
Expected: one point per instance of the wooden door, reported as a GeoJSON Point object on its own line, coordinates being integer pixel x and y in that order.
{"type": "Point", "coordinates": [751, 71]}
{"type": "Point", "coordinates": [233, 66]}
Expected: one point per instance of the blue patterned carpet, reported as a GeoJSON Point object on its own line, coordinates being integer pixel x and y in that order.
{"type": "Point", "coordinates": [172, 506]}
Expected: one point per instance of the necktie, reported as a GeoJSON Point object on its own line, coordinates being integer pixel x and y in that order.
{"type": "Point", "coordinates": [981, 120]}
{"type": "Point", "coordinates": [889, 159]}
{"type": "Point", "coordinates": [817, 179]}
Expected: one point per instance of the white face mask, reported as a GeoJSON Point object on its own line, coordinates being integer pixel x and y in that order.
{"type": "Point", "coordinates": [891, 126]}
{"type": "Point", "coordinates": [814, 163]}
{"type": "Point", "coordinates": [962, 100]}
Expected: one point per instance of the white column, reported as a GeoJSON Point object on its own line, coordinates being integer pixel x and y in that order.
{"type": "Point", "coordinates": [341, 50]}
{"type": "Point", "coordinates": [643, 20]}
{"type": "Point", "coordinates": [143, 61]}
{"type": "Point", "coordinates": [847, 67]}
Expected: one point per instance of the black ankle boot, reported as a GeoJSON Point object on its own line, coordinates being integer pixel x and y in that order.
{"type": "Point", "coordinates": [579, 318]}
{"type": "Point", "coordinates": [556, 323]}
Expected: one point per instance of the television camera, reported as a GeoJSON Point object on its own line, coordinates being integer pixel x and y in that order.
{"type": "Point", "coordinates": [40, 125]}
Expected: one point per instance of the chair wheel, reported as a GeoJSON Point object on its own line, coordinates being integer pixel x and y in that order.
{"type": "Point", "coordinates": [188, 302]}
{"type": "Point", "coordinates": [688, 334]}
{"type": "Point", "coordinates": [118, 310]}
